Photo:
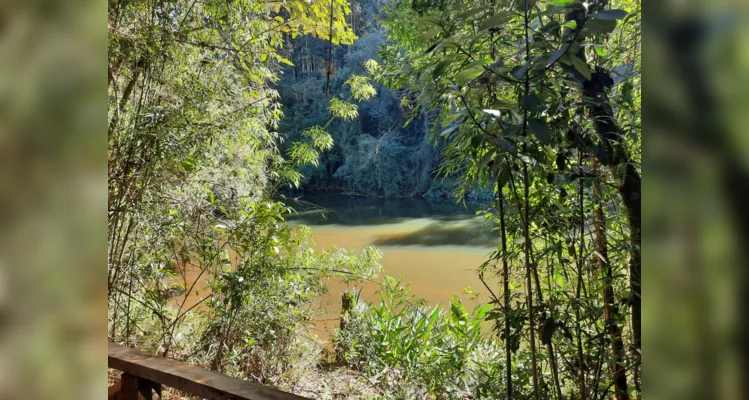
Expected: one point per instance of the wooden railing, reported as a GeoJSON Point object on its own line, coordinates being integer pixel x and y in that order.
{"type": "Point", "coordinates": [143, 374]}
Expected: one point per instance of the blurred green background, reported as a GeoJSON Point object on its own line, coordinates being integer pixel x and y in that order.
{"type": "Point", "coordinates": [53, 199]}
{"type": "Point", "coordinates": [53, 183]}
{"type": "Point", "coordinates": [696, 199]}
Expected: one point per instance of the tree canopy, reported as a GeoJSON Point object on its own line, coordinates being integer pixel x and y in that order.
{"type": "Point", "coordinates": [532, 106]}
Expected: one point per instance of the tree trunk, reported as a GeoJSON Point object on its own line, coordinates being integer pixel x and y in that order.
{"type": "Point", "coordinates": [609, 302]}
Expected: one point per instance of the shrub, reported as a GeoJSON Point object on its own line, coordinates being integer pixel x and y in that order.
{"type": "Point", "coordinates": [412, 350]}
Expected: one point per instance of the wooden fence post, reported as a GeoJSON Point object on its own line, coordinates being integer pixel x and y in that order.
{"type": "Point", "coordinates": [135, 388]}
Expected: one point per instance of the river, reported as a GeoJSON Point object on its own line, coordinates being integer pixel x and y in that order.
{"type": "Point", "coordinates": [435, 247]}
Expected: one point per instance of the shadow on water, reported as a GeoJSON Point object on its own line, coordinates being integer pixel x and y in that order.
{"type": "Point", "coordinates": [473, 233]}
{"type": "Point", "coordinates": [329, 209]}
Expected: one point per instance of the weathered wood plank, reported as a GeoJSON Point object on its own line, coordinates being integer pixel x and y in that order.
{"type": "Point", "coordinates": [191, 379]}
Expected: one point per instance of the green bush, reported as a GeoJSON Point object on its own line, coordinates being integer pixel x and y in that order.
{"type": "Point", "coordinates": [412, 350]}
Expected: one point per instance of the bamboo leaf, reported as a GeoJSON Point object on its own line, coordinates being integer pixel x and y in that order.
{"type": "Point", "coordinates": [581, 67]}
{"type": "Point", "coordinates": [429, 34]}
{"type": "Point", "coordinates": [470, 13]}
{"type": "Point", "coordinates": [497, 19]}
{"type": "Point", "coordinates": [486, 159]}
{"type": "Point", "coordinates": [424, 21]}
{"type": "Point", "coordinates": [467, 75]}
{"type": "Point", "coordinates": [440, 68]}
{"type": "Point", "coordinates": [505, 144]}
{"type": "Point", "coordinates": [519, 71]}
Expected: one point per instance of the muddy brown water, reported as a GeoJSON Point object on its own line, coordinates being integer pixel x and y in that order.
{"type": "Point", "coordinates": [434, 247]}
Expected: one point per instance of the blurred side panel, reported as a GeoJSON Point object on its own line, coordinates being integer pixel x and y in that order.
{"type": "Point", "coordinates": [696, 177]}
{"type": "Point", "coordinates": [53, 199]}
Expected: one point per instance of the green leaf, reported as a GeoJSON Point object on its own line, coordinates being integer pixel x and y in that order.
{"type": "Point", "coordinates": [429, 34]}
{"type": "Point", "coordinates": [553, 57]}
{"type": "Point", "coordinates": [581, 67]}
{"type": "Point", "coordinates": [423, 21]}
{"type": "Point", "coordinates": [448, 43]}
{"type": "Point", "coordinates": [450, 118]}
{"type": "Point", "coordinates": [532, 102]}
{"type": "Point", "coordinates": [470, 13]}
{"type": "Point", "coordinates": [505, 144]}
{"type": "Point", "coordinates": [570, 24]}
{"type": "Point", "coordinates": [448, 131]}
{"type": "Point", "coordinates": [480, 312]}
{"type": "Point", "coordinates": [598, 27]}
{"type": "Point", "coordinates": [498, 19]}
{"type": "Point", "coordinates": [432, 47]}
{"type": "Point", "coordinates": [522, 5]}
{"type": "Point", "coordinates": [563, 3]}
{"type": "Point", "coordinates": [600, 50]}
{"type": "Point", "coordinates": [479, 62]}
{"type": "Point", "coordinates": [504, 176]}
{"type": "Point", "coordinates": [541, 130]}
{"type": "Point", "coordinates": [504, 105]}
{"type": "Point", "coordinates": [476, 141]}
{"type": "Point", "coordinates": [486, 159]}
{"type": "Point", "coordinates": [467, 75]}
{"type": "Point", "coordinates": [610, 14]}
{"type": "Point", "coordinates": [519, 71]}
{"type": "Point", "coordinates": [440, 68]}
{"type": "Point", "coordinates": [550, 27]}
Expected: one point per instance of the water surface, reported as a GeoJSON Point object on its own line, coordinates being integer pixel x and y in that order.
{"type": "Point", "coordinates": [436, 247]}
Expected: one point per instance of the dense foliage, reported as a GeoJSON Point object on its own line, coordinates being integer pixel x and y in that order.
{"type": "Point", "coordinates": [213, 107]}
{"type": "Point", "coordinates": [375, 155]}
{"type": "Point", "coordinates": [194, 159]}
{"type": "Point", "coordinates": [540, 99]}
{"type": "Point", "coordinates": [415, 350]}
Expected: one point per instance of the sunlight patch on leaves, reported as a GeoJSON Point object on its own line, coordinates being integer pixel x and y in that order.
{"type": "Point", "coordinates": [343, 109]}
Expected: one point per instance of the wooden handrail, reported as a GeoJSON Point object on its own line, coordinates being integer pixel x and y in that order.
{"type": "Point", "coordinates": [143, 372]}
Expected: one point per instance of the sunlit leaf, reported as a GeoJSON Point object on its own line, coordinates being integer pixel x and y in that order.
{"type": "Point", "coordinates": [563, 3]}
{"type": "Point", "coordinates": [450, 118]}
{"type": "Point", "coordinates": [486, 159]}
{"type": "Point", "coordinates": [468, 75]}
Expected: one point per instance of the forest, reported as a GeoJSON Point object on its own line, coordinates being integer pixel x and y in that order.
{"type": "Point", "coordinates": [224, 116]}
